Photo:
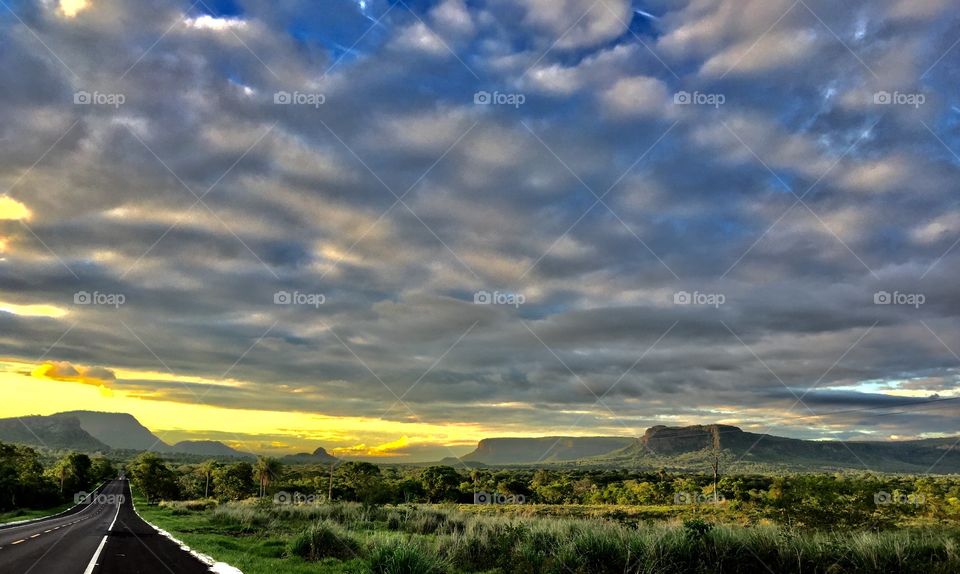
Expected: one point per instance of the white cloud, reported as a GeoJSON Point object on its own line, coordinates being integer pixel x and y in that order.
{"type": "Point", "coordinates": [208, 22]}
{"type": "Point", "coordinates": [419, 38]}
{"type": "Point", "coordinates": [577, 23]}
{"type": "Point", "coordinates": [452, 17]}
{"type": "Point", "coordinates": [774, 51]}
{"type": "Point", "coordinates": [636, 96]}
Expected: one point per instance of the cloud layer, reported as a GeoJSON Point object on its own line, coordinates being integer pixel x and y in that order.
{"type": "Point", "coordinates": [705, 211]}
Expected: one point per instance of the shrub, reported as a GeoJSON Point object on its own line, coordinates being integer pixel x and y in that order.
{"type": "Point", "coordinates": [394, 521]}
{"type": "Point", "coordinates": [696, 528]}
{"type": "Point", "coordinates": [405, 557]}
{"type": "Point", "coordinates": [237, 515]}
{"type": "Point", "coordinates": [486, 544]}
{"type": "Point", "coordinates": [598, 550]}
{"type": "Point", "coordinates": [187, 506]}
{"type": "Point", "coordinates": [322, 540]}
{"type": "Point", "coordinates": [425, 522]}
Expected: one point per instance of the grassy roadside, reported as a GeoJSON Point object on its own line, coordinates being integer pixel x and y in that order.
{"type": "Point", "coordinates": [30, 514]}
{"type": "Point", "coordinates": [252, 550]}
{"type": "Point", "coordinates": [262, 538]}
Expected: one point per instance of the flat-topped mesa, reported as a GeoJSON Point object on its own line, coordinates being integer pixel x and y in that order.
{"type": "Point", "coordinates": [528, 450]}
{"type": "Point", "coordinates": [670, 440]}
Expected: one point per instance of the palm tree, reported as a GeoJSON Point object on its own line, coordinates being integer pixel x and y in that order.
{"type": "Point", "coordinates": [62, 471]}
{"type": "Point", "coordinates": [266, 469]}
{"type": "Point", "coordinates": [207, 469]}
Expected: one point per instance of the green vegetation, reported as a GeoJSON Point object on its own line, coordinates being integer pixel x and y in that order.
{"type": "Point", "coordinates": [267, 518]}
{"type": "Point", "coordinates": [28, 488]}
{"type": "Point", "coordinates": [21, 514]}
{"type": "Point", "coordinates": [351, 537]}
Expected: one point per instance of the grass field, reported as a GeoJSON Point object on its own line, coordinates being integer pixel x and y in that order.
{"type": "Point", "coordinates": [341, 538]}
{"type": "Point", "coordinates": [30, 514]}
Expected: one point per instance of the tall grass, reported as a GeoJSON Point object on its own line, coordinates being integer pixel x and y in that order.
{"type": "Point", "coordinates": [325, 539]}
{"type": "Point", "coordinates": [404, 556]}
{"type": "Point", "coordinates": [415, 538]}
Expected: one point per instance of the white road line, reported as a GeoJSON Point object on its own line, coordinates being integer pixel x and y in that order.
{"type": "Point", "coordinates": [19, 541]}
{"type": "Point", "coordinates": [96, 555]}
{"type": "Point", "coordinates": [35, 535]}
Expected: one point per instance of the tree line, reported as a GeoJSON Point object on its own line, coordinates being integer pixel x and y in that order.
{"type": "Point", "coordinates": [801, 499]}
{"type": "Point", "coordinates": [25, 482]}
{"type": "Point", "coordinates": [798, 499]}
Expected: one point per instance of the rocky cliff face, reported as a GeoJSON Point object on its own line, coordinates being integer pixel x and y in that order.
{"type": "Point", "coordinates": [544, 449]}
{"type": "Point", "coordinates": [672, 440]}
{"type": "Point", "coordinates": [53, 432]}
{"type": "Point", "coordinates": [117, 430]}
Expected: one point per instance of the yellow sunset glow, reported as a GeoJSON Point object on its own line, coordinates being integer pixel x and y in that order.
{"type": "Point", "coordinates": [40, 310]}
{"type": "Point", "coordinates": [12, 209]}
{"type": "Point", "coordinates": [71, 8]}
{"type": "Point", "coordinates": [33, 389]}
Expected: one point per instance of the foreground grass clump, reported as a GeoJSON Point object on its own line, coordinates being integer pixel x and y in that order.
{"type": "Point", "coordinates": [351, 538]}
{"type": "Point", "coordinates": [392, 556]}
{"type": "Point", "coordinates": [325, 539]}
{"type": "Point", "coordinates": [187, 506]}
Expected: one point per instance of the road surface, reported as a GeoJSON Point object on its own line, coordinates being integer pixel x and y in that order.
{"type": "Point", "coordinates": [104, 536]}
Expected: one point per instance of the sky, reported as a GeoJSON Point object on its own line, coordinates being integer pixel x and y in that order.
{"type": "Point", "coordinates": [394, 228]}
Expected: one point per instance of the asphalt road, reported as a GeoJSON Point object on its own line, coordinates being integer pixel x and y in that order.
{"type": "Point", "coordinates": [104, 536]}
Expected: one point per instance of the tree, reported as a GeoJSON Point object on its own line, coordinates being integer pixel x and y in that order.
{"type": "Point", "coordinates": [440, 483]}
{"type": "Point", "coordinates": [102, 469]}
{"type": "Point", "coordinates": [152, 478]}
{"type": "Point", "coordinates": [363, 481]}
{"type": "Point", "coordinates": [233, 482]}
{"type": "Point", "coordinates": [73, 472]}
{"type": "Point", "coordinates": [61, 470]}
{"type": "Point", "coordinates": [266, 470]}
{"type": "Point", "coordinates": [206, 469]}
{"type": "Point", "coordinates": [22, 481]}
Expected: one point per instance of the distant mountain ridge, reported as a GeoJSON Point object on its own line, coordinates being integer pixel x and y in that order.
{"type": "Point", "coordinates": [318, 456]}
{"type": "Point", "coordinates": [544, 449]}
{"type": "Point", "coordinates": [693, 447]}
{"type": "Point", "coordinates": [91, 431]}
{"type": "Point", "coordinates": [207, 448]}
{"type": "Point", "coordinates": [51, 432]}
{"type": "Point", "coordinates": [119, 430]}
{"type": "Point", "coordinates": [690, 448]}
